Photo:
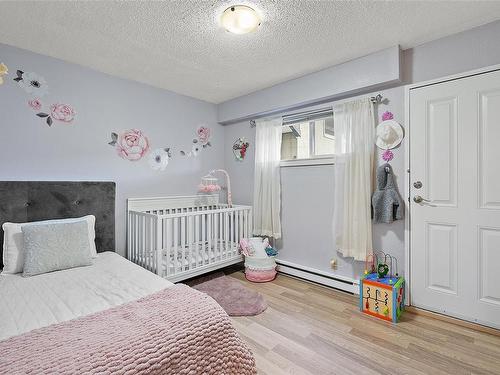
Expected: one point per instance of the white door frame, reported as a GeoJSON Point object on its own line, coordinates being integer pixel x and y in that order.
{"type": "Point", "coordinates": [407, 180]}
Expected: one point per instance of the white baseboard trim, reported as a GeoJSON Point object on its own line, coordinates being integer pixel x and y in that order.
{"type": "Point", "coordinates": [311, 274]}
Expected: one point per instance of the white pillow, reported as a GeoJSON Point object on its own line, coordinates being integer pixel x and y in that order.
{"type": "Point", "coordinates": [13, 249]}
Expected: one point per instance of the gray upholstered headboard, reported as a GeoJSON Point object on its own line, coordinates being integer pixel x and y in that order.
{"type": "Point", "coordinates": [23, 201]}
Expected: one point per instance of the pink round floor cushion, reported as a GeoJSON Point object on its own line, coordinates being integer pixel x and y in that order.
{"type": "Point", "coordinates": [260, 276]}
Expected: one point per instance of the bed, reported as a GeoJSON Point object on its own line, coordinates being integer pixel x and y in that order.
{"type": "Point", "coordinates": [110, 317]}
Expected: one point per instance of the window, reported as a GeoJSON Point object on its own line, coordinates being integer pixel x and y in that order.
{"type": "Point", "coordinates": [308, 139]}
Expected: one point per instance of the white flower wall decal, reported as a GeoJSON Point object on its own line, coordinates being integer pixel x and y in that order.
{"type": "Point", "coordinates": [32, 83]}
{"type": "Point", "coordinates": [158, 158]}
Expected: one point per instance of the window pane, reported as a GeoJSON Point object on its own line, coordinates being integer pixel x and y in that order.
{"type": "Point", "coordinates": [303, 142]}
{"type": "Point", "coordinates": [308, 139]}
{"type": "Point", "coordinates": [295, 142]}
{"type": "Point", "coordinates": [288, 146]}
{"type": "Point", "coordinates": [324, 138]}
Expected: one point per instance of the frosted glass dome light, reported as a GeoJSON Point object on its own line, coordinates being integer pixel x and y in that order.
{"type": "Point", "coordinates": [240, 19]}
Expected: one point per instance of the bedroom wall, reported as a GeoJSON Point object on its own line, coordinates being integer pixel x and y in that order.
{"type": "Point", "coordinates": [307, 238]}
{"type": "Point", "coordinates": [32, 150]}
{"type": "Point", "coordinates": [307, 201]}
{"type": "Point", "coordinates": [376, 70]}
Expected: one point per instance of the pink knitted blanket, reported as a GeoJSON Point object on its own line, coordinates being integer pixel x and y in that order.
{"type": "Point", "coordinates": [176, 331]}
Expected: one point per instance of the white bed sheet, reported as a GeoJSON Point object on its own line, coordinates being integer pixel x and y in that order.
{"type": "Point", "coordinates": [27, 303]}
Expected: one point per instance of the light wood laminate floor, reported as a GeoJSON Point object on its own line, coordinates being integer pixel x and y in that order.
{"type": "Point", "coordinates": [310, 329]}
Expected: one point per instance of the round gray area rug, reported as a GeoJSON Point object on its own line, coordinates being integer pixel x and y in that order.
{"type": "Point", "coordinates": [232, 295]}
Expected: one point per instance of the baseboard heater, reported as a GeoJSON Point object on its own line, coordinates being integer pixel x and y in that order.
{"type": "Point", "coordinates": [320, 277]}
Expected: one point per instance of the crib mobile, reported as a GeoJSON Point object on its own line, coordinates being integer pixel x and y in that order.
{"type": "Point", "coordinates": [209, 184]}
{"type": "Point", "coordinates": [382, 290]}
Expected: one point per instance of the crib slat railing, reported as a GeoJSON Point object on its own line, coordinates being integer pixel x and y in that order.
{"type": "Point", "coordinates": [236, 232]}
{"type": "Point", "coordinates": [203, 239]}
{"type": "Point", "coordinates": [145, 242]}
{"type": "Point", "coordinates": [196, 230]}
{"type": "Point", "coordinates": [186, 239]}
{"type": "Point", "coordinates": [176, 245]}
{"type": "Point", "coordinates": [140, 247]}
{"type": "Point", "coordinates": [206, 212]}
{"type": "Point", "coordinates": [143, 245]}
{"type": "Point", "coordinates": [211, 256]}
{"type": "Point", "coordinates": [226, 235]}
{"type": "Point", "coordinates": [245, 234]}
{"type": "Point", "coordinates": [167, 241]}
{"type": "Point", "coordinates": [190, 229]}
{"type": "Point", "coordinates": [221, 234]}
{"type": "Point", "coordinates": [183, 243]}
{"type": "Point", "coordinates": [232, 234]}
{"type": "Point", "coordinates": [131, 234]}
{"type": "Point", "coordinates": [129, 237]}
{"type": "Point", "coordinates": [158, 225]}
{"type": "Point", "coordinates": [141, 239]}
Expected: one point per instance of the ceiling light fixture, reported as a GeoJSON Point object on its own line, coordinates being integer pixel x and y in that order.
{"type": "Point", "coordinates": [240, 19]}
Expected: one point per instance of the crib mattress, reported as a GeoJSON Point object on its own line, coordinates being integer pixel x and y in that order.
{"type": "Point", "coordinates": [190, 257]}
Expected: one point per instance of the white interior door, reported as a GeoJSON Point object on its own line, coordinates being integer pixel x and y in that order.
{"type": "Point", "coordinates": [455, 225]}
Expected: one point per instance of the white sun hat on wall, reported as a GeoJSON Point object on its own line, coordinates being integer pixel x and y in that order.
{"type": "Point", "coordinates": [389, 134]}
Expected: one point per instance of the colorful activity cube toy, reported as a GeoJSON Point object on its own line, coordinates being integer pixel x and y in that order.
{"type": "Point", "coordinates": [383, 297]}
{"type": "Point", "coordinates": [382, 293]}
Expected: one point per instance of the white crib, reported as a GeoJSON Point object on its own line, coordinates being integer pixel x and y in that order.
{"type": "Point", "coordinates": [180, 237]}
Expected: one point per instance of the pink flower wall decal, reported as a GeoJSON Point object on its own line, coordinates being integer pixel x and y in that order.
{"type": "Point", "coordinates": [202, 138]}
{"type": "Point", "coordinates": [131, 144]}
{"type": "Point", "coordinates": [387, 116]}
{"type": "Point", "coordinates": [35, 104]}
{"type": "Point", "coordinates": [58, 112]}
{"type": "Point", "coordinates": [62, 112]}
{"type": "Point", "coordinates": [203, 135]}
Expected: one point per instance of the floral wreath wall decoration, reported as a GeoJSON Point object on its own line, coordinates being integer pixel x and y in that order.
{"type": "Point", "coordinates": [4, 70]}
{"type": "Point", "coordinates": [240, 147]}
{"type": "Point", "coordinates": [204, 134]}
{"type": "Point", "coordinates": [199, 143]}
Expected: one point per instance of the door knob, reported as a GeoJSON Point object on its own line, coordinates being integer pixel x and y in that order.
{"type": "Point", "coordinates": [419, 199]}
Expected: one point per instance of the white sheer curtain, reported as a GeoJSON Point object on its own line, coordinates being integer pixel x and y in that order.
{"type": "Point", "coordinates": [354, 124]}
{"type": "Point", "coordinates": [267, 183]}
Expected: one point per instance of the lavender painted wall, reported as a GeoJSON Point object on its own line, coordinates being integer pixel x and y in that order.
{"type": "Point", "coordinates": [377, 70]}
{"type": "Point", "coordinates": [31, 150]}
{"type": "Point", "coordinates": [307, 201]}
{"type": "Point", "coordinates": [302, 242]}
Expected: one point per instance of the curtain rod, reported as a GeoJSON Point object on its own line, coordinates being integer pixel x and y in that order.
{"type": "Point", "coordinates": [377, 99]}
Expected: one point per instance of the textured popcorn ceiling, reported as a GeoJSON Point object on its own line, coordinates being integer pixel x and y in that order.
{"type": "Point", "coordinates": [179, 45]}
